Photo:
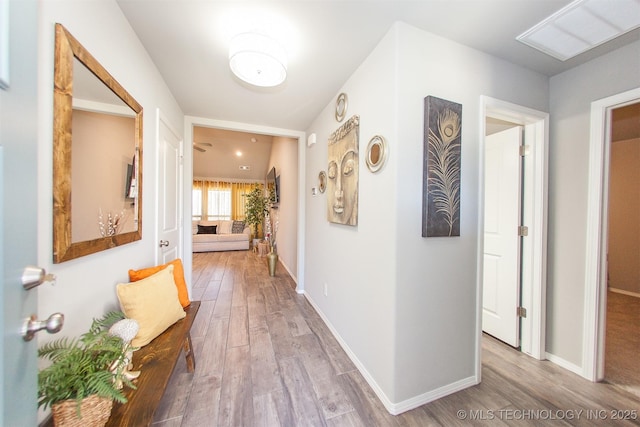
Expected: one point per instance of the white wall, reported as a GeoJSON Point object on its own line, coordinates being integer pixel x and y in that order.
{"type": "Point", "coordinates": [417, 294]}
{"type": "Point", "coordinates": [358, 263]}
{"type": "Point", "coordinates": [86, 286]}
{"type": "Point", "coordinates": [571, 95]}
{"type": "Point", "coordinates": [284, 156]}
{"type": "Point", "coordinates": [437, 277]}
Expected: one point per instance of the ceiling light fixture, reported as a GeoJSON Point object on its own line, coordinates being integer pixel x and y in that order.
{"type": "Point", "coordinates": [258, 59]}
{"type": "Point", "coordinates": [582, 25]}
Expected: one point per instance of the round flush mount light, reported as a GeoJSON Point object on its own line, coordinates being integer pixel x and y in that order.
{"type": "Point", "coordinates": [258, 59]}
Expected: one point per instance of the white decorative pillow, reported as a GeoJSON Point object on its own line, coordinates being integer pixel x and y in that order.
{"type": "Point", "coordinates": [225, 227]}
{"type": "Point", "coordinates": [153, 302]}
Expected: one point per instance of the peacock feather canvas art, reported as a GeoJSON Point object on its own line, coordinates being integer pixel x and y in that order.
{"type": "Point", "coordinates": [441, 174]}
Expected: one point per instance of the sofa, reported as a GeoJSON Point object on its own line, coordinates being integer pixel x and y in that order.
{"type": "Point", "coordinates": [220, 235]}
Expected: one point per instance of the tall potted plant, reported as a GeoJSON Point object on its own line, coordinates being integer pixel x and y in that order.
{"type": "Point", "coordinates": [85, 376]}
{"type": "Point", "coordinates": [255, 208]}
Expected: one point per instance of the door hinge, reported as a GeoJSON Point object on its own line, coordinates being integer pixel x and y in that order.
{"type": "Point", "coordinates": [524, 150]}
{"type": "Point", "coordinates": [523, 230]}
{"type": "Point", "coordinates": [521, 312]}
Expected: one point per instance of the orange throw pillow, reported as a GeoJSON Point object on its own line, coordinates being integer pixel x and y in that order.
{"type": "Point", "coordinates": [178, 277]}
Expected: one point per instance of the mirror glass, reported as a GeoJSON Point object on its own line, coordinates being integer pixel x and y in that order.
{"type": "Point", "coordinates": [97, 156]}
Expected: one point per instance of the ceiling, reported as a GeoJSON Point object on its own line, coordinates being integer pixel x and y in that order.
{"type": "Point", "coordinates": [327, 40]}
{"type": "Point", "coordinates": [221, 160]}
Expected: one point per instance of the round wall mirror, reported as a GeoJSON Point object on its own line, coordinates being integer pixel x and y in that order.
{"type": "Point", "coordinates": [322, 181]}
{"type": "Point", "coordinates": [376, 153]}
{"type": "Point", "coordinates": [341, 106]}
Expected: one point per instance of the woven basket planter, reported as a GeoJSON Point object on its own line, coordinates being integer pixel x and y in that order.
{"type": "Point", "coordinates": [94, 412]}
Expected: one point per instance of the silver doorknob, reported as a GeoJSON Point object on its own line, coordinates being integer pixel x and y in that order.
{"type": "Point", "coordinates": [164, 243]}
{"type": "Point", "coordinates": [32, 325]}
{"type": "Point", "coordinates": [35, 276]}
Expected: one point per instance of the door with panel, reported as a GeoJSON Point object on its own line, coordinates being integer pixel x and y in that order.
{"type": "Point", "coordinates": [169, 192]}
{"type": "Point", "coordinates": [501, 266]}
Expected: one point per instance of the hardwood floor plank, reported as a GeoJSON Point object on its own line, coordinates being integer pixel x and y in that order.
{"type": "Point", "coordinates": [338, 358]}
{"type": "Point", "coordinates": [201, 323]}
{"type": "Point", "coordinates": [211, 291]}
{"type": "Point", "coordinates": [204, 402]}
{"type": "Point", "coordinates": [236, 398]}
{"type": "Point", "coordinates": [265, 373]}
{"type": "Point", "coordinates": [297, 324]}
{"type": "Point", "coordinates": [303, 400]}
{"type": "Point", "coordinates": [365, 402]}
{"type": "Point", "coordinates": [176, 395]}
{"type": "Point", "coordinates": [265, 411]}
{"type": "Point", "coordinates": [283, 343]}
{"type": "Point", "coordinates": [256, 310]}
{"type": "Point", "coordinates": [238, 327]}
{"type": "Point", "coordinates": [210, 358]}
{"type": "Point", "coordinates": [332, 398]}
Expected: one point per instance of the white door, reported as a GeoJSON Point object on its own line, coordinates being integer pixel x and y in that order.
{"type": "Point", "coordinates": [18, 215]}
{"type": "Point", "coordinates": [169, 192]}
{"type": "Point", "coordinates": [501, 281]}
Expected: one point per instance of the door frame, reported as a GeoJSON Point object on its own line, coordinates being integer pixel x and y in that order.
{"type": "Point", "coordinates": [595, 303]}
{"type": "Point", "coordinates": [160, 120]}
{"type": "Point", "coordinates": [534, 247]}
{"type": "Point", "coordinates": [189, 123]}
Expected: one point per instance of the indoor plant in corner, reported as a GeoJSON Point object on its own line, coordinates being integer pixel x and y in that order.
{"type": "Point", "coordinates": [255, 208]}
{"type": "Point", "coordinates": [85, 375]}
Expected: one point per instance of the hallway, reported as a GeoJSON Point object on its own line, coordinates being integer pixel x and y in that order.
{"type": "Point", "coordinates": [265, 358]}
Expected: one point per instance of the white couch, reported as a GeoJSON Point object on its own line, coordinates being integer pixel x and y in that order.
{"type": "Point", "coordinates": [224, 238]}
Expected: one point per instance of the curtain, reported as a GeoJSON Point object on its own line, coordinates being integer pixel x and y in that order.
{"type": "Point", "coordinates": [238, 190]}
{"type": "Point", "coordinates": [214, 199]}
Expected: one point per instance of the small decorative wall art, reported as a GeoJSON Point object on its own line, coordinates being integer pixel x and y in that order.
{"type": "Point", "coordinates": [441, 173]}
{"type": "Point", "coordinates": [377, 153]}
{"type": "Point", "coordinates": [342, 173]}
{"type": "Point", "coordinates": [341, 106]}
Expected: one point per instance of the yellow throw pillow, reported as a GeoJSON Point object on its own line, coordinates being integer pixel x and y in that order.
{"type": "Point", "coordinates": [153, 303]}
{"type": "Point", "coordinates": [178, 276]}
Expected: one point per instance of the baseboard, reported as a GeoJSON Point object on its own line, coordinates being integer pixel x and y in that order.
{"type": "Point", "coordinates": [295, 279]}
{"type": "Point", "coordinates": [430, 396]}
{"type": "Point", "coordinates": [623, 292]}
{"type": "Point", "coordinates": [405, 405]}
{"type": "Point", "coordinates": [565, 364]}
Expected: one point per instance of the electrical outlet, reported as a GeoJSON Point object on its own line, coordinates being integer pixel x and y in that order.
{"type": "Point", "coordinates": [326, 289]}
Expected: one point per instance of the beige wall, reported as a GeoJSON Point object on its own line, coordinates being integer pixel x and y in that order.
{"type": "Point", "coordinates": [102, 147]}
{"type": "Point", "coordinates": [284, 157]}
{"type": "Point", "coordinates": [624, 216]}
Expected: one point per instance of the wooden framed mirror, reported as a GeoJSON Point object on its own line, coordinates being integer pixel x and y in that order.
{"type": "Point", "coordinates": [97, 155]}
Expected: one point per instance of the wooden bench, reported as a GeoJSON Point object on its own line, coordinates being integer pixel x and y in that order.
{"type": "Point", "coordinates": [156, 362]}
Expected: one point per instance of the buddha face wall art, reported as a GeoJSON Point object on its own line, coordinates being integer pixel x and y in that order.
{"type": "Point", "coordinates": [342, 174]}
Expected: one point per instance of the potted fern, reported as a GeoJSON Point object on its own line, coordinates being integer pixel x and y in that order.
{"type": "Point", "coordinates": [85, 376]}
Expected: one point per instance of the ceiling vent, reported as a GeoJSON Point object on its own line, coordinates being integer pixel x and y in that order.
{"type": "Point", "coordinates": [582, 25]}
{"type": "Point", "coordinates": [245, 168]}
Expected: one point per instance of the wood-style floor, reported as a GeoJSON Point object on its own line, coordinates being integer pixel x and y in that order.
{"type": "Point", "coordinates": [265, 358]}
{"type": "Point", "coordinates": [622, 344]}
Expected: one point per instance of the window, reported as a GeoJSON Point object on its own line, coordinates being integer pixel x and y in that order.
{"type": "Point", "coordinates": [219, 200]}
{"type": "Point", "coordinates": [219, 204]}
{"type": "Point", "coordinates": [196, 204]}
